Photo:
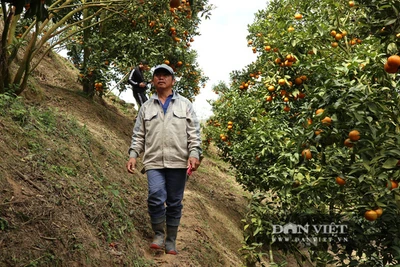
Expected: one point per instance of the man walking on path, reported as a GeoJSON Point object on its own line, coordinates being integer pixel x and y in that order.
{"type": "Point", "coordinates": [139, 85]}
{"type": "Point", "coordinates": [168, 132]}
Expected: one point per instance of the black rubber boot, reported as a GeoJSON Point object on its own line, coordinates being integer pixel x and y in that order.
{"type": "Point", "coordinates": [170, 241]}
{"type": "Point", "coordinates": [159, 233]}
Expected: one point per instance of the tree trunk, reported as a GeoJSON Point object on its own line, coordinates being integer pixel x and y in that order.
{"type": "Point", "coordinates": [4, 72]}
{"type": "Point", "coordinates": [21, 77]}
{"type": "Point", "coordinates": [88, 84]}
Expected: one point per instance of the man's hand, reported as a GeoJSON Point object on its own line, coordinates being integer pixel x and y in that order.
{"type": "Point", "coordinates": [142, 84]}
{"type": "Point", "coordinates": [194, 163]}
{"type": "Point", "coordinates": [131, 165]}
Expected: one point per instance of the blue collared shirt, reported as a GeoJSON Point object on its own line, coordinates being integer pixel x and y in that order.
{"type": "Point", "coordinates": [166, 103]}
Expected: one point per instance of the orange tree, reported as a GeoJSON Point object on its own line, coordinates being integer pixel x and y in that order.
{"type": "Point", "coordinates": [104, 39]}
{"type": "Point", "coordinates": [312, 129]}
{"type": "Point", "coordinates": [151, 30]}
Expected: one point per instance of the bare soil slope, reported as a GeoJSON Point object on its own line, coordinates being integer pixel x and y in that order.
{"type": "Point", "coordinates": [66, 199]}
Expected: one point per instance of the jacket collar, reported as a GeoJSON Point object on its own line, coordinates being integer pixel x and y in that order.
{"type": "Point", "coordinates": [175, 95]}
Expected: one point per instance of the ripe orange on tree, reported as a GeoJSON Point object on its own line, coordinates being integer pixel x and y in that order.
{"type": "Point", "coordinates": [392, 64]}
{"type": "Point", "coordinates": [281, 82]}
{"type": "Point", "coordinates": [326, 121]}
{"type": "Point", "coordinates": [334, 44]}
{"type": "Point", "coordinates": [290, 58]}
{"type": "Point", "coordinates": [317, 132]}
{"type": "Point", "coordinates": [338, 36]}
{"type": "Point", "coordinates": [288, 63]}
{"type": "Point", "coordinates": [379, 211]}
{"type": "Point", "coordinates": [298, 81]}
{"type": "Point", "coordinates": [267, 48]}
{"type": "Point", "coordinates": [394, 60]}
{"type": "Point", "coordinates": [298, 16]}
{"type": "Point", "coordinates": [306, 153]}
{"type": "Point", "coordinates": [348, 143]}
{"type": "Point", "coordinates": [351, 4]}
{"type": "Point", "coordinates": [319, 111]}
{"type": "Point", "coordinates": [286, 108]}
{"type": "Point", "coordinates": [354, 135]}
{"type": "Point", "coordinates": [340, 181]}
{"type": "Point", "coordinates": [393, 184]}
{"type": "Point", "coordinates": [371, 215]}
{"type": "Point", "coordinates": [174, 3]}
{"type": "Point", "coordinates": [389, 69]}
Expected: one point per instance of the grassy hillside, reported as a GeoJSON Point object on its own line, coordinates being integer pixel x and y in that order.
{"type": "Point", "coordinates": [66, 199]}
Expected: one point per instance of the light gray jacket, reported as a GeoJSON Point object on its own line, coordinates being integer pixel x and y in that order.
{"type": "Point", "coordinates": [169, 139]}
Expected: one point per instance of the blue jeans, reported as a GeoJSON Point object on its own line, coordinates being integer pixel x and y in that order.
{"type": "Point", "coordinates": [166, 187]}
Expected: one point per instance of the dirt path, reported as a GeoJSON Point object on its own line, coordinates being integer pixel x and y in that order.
{"type": "Point", "coordinates": [210, 233]}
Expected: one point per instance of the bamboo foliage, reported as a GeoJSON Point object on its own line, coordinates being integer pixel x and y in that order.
{"type": "Point", "coordinates": [32, 41]}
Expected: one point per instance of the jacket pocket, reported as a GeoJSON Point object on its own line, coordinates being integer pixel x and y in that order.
{"type": "Point", "coordinates": [150, 117]}
{"type": "Point", "coordinates": [179, 122]}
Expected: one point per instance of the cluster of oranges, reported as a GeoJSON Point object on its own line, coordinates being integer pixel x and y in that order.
{"type": "Point", "coordinates": [338, 36]}
{"type": "Point", "coordinates": [373, 214]}
{"type": "Point", "coordinates": [284, 93]}
{"type": "Point", "coordinates": [354, 136]}
{"type": "Point", "coordinates": [255, 75]}
{"type": "Point", "coordinates": [215, 123]}
{"type": "Point", "coordinates": [98, 86]}
{"type": "Point", "coordinates": [245, 85]}
{"type": "Point", "coordinates": [180, 5]}
{"type": "Point", "coordinates": [288, 61]}
{"type": "Point", "coordinates": [269, 48]}
{"type": "Point", "coordinates": [223, 137]}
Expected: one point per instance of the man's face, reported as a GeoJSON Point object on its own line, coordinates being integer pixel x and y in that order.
{"type": "Point", "coordinates": [144, 66]}
{"type": "Point", "coordinates": [162, 79]}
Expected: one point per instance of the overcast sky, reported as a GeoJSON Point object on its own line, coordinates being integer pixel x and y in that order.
{"type": "Point", "coordinates": [222, 47]}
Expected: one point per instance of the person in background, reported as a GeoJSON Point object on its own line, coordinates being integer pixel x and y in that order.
{"type": "Point", "coordinates": [139, 85]}
{"type": "Point", "coordinates": [168, 132]}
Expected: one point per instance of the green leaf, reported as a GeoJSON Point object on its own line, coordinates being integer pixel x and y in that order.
{"type": "Point", "coordinates": [390, 22]}
{"type": "Point", "coordinates": [390, 163]}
